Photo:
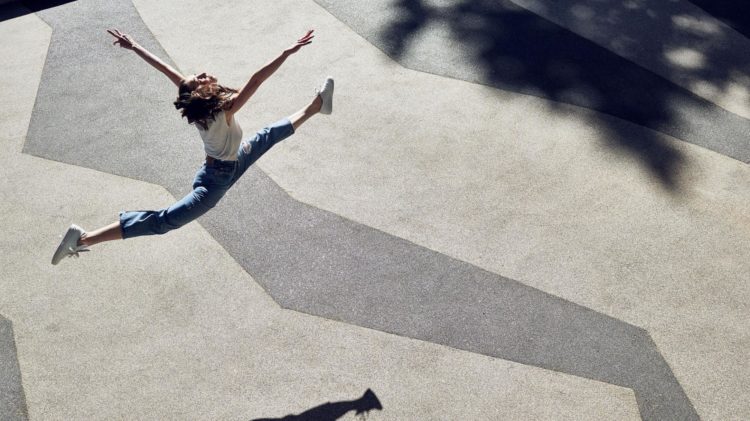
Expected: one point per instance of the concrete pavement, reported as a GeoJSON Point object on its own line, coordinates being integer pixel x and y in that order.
{"type": "Point", "coordinates": [523, 264]}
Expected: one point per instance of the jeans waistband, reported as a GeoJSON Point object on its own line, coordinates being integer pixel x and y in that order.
{"type": "Point", "coordinates": [213, 162]}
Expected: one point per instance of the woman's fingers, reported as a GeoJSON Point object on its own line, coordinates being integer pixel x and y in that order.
{"type": "Point", "coordinates": [119, 35]}
{"type": "Point", "coordinates": [307, 36]}
{"type": "Point", "coordinates": [115, 33]}
{"type": "Point", "coordinates": [122, 39]}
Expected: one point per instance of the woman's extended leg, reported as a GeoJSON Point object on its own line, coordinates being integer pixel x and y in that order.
{"type": "Point", "coordinates": [252, 148]}
{"type": "Point", "coordinates": [209, 187]}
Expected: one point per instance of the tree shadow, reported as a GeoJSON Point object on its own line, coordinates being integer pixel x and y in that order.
{"type": "Point", "coordinates": [20, 8]}
{"type": "Point", "coordinates": [332, 411]}
{"type": "Point", "coordinates": [517, 50]}
{"type": "Point", "coordinates": [675, 38]}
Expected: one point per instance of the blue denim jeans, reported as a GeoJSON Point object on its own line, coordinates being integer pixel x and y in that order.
{"type": "Point", "coordinates": [209, 186]}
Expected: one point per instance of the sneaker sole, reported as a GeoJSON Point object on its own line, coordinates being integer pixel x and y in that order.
{"type": "Point", "coordinates": [327, 107]}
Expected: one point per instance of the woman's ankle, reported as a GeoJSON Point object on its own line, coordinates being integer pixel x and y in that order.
{"type": "Point", "coordinates": [316, 104]}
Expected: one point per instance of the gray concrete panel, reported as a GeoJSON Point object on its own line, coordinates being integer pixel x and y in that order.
{"type": "Point", "coordinates": [12, 399]}
{"type": "Point", "coordinates": [316, 262]}
{"type": "Point", "coordinates": [85, 112]}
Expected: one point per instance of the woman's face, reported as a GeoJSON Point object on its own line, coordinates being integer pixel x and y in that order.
{"type": "Point", "coordinates": [199, 79]}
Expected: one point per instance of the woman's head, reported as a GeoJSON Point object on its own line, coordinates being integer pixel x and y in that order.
{"type": "Point", "coordinates": [200, 97]}
{"type": "Point", "coordinates": [194, 81]}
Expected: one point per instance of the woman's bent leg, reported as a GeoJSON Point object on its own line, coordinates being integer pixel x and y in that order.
{"type": "Point", "coordinates": [189, 208]}
{"type": "Point", "coordinates": [253, 148]}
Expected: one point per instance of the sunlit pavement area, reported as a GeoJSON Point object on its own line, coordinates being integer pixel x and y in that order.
{"type": "Point", "coordinates": [518, 210]}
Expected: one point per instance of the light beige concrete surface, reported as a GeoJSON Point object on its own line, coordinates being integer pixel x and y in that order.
{"type": "Point", "coordinates": [524, 187]}
{"type": "Point", "coordinates": [172, 328]}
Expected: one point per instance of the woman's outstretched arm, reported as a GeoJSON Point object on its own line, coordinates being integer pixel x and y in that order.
{"type": "Point", "coordinates": [265, 72]}
{"type": "Point", "coordinates": [126, 42]}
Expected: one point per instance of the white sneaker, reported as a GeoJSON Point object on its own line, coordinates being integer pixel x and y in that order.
{"type": "Point", "coordinates": [69, 245]}
{"type": "Point", "coordinates": [326, 94]}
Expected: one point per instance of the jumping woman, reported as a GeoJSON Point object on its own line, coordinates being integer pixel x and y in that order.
{"type": "Point", "coordinates": [211, 108]}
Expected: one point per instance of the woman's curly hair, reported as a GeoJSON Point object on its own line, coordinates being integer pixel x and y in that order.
{"type": "Point", "coordinates": [203, 103]}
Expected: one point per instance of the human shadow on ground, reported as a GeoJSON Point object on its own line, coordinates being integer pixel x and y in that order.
{"type": "Point", "coordinates": [517, 50]}
{"type": "Point", "coordinates": [332, 411]}
{"type": "Point", "coordinates": [20, 8]}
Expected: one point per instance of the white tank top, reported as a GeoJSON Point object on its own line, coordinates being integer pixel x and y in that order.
{"type": "Point", "coordinates": [221, 141]}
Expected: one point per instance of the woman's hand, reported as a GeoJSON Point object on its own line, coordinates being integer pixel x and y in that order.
{"type": "Point", "coordinates": [306, 39]}
{"type": "Point", "coordinates": [123, 39]}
